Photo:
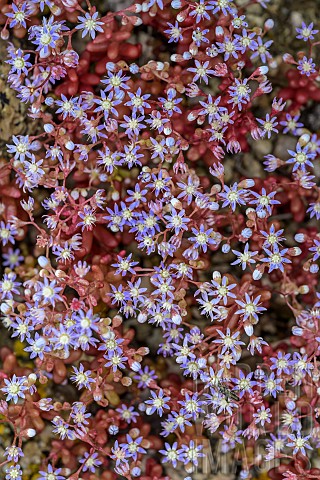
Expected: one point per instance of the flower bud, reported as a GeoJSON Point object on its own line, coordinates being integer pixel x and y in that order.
{"type": "Point", "coordinates": [268, 24]}
{"type": "Point", "coordinates": [187, 55]}
{"type": "Point", "coordinates": [167, 130]}
{"type": "Point", "coordinates": [55, 10]}
{"type": "Point", "coordinates": [226, 248]}
{"type": "Point", "coordinates": [290, 404]}
{"type": "Point", "coordinates": [176, 203]}
{"type": "Point", "coordinates": [257, 274]}
{"type": "Point", "coordinates": [113, 429]}
{"type": "Point", "coordinates": [247, 183]}
{"type": "Point", "coordinates": [135, 21]}
{"type": "Point", "coordinates": [136, 366]}
{"type": "Point", "coordinates": [70, 145]}
{"type": "Point", "coordinates": [69, 3]}
{"type": "Point", "coordinates": [6, 306]}
{"type": "Point", "coordinates": [314, 268]}
{"type": "Point", "coordinates": [136, 472]}
{"type": "Point", "coordinates": [248, 328]}
{"type": "Point", "coordinates": [49, 101]}
{"type": "Point", "coordinates": [300, 237]}
{"type": "Point", "coordinates": [176, 4]}
{"type": "Point", "coordinates": [60, 273]}
{"type": "Point", "coordinates": [287, 58]}
{"type": "Point", "coordinates": [4, 34]}
{"type": "Point", "coordinates": [304, 139]}
{"type": "Point", "coordinates": [246, 233]}
{"type": "Point", "coordinates": [294, 251]}
{"type": "Point", "coordinates": [219, 31]}
{"type": "Point", "coordinates": [193, 50]}
{"type": "Point", "coordinates": [303, 289]}
{"type": "Point", "coordinates": [263, 70]}
{"type": "Point", "coordinates": [32, 378]}
{"type": "Point", "coordinates": [192, 116]}
{"type": "Point", "coordinates": [182, 16]}
{"type": "Point", "coordinates": [297, 331]}
{"type": "Point", "coordinates": [70, 58]}
{"type": "Point", "coordinates": [142, 318]}
{"type": "Point", "coordinates": [48, 127]}
{"type": "Point", "coordinates": [177, 319]}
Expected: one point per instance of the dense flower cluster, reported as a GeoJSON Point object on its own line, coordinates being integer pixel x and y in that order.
{"type": "Point", "coordinates": [137, 268]}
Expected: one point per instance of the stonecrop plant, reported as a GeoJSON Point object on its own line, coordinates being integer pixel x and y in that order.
{"type": "Point", "coordinates": [159, 296]}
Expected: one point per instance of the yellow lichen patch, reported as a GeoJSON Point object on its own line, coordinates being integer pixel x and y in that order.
{"type": "Point", "coordinates": [19, 349]}
{"type": "Point", "coordinates": [263, 476]}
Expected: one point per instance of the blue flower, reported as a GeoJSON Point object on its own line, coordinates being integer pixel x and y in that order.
{"type": "Point", "coordinates": [202, 238]}
{"type": "Point", "coordinates": [291, 124]}
{"type": "Point", "coordinates": [116, 81]}
{"type": "Point", "coordinates": [306, 66]}
{"type": "Point", "coordinates": [21, 147]}
{"type": "Point", "coordinates": [276, 258]}
{"type": "Point", "coordinates": [82, 377]}
{"type": "Point", "coordinates": [18, 61]}
{"type": "Point", "coordinates": [38, 346]}
{"type": "Point", "coordinates": [314, 210]}
{"type": "Point", "coordinates": [301, 157]}
{"type": "Point", "coordinates": [200, 11]}
{"type": "Point", "coordinates": [115, 360]}
{"type": "Point", "coordinates": [246, 40]}
{"type": "Point", "coordinates": [138, 101]}
{"type": "Point", "coordinates": [264, 202]}
{"type": "Point", "coordinates": [45, 36]}
{"type": "Point", "coordinates": [233, 196]}
{"type": "Point", "coordinates": [19, 15]}
{"type": "Point", "coordinates": [228, 341]}
{"type": "Point", "coordinates": [62, 428]}
{"type": "Point", "coordinates": [272, 237]}
{"type": "Point", "coordinates": [306, 32]}
{"type": "Point", "coordinates": [272, 385]}
{"type": "Point", "coordinates": [190, 453]}
{"type": "Point", "coordinates": [229, 47]}
{"type": "Point", "coordinates": [174, 32]}
{"type": "Point", "coordinates": [128, 414]}
{"type": "Point", "coordinates": [250, 307]}
{"type": "Point", "coordinates": [107, 104]}
{"type": "Point", "coordinates": [268, 125]}
{"type": "Point", "coordinates": [14, 388]}
{"type": "Point", "coordinates": [89, 24]}
{"type": "Point", "coordinates": [124, 265]}
{"type": "Point", "coordinates": [133, 446]}
{"type": "Point", "coordinates": [133, 124]}
{"type": "Point", "coordinates": [239, 93]}
{"type": "Point", "coordinates": [90, 462]}
{"type": "Point", "coordinates": [8, 286]}
{"type": "Point", "coordinates": [158, 403]}
{"type": "Point", "coordinates": [177, 221]}
{"type": "Point", "coordinates": [245, 257]}
{"type": "Point", "coordinates": [282, 363]}
{"type": "Point", "coordinates": [226, 7]}
{"type": "Point", "coordinates": [171, 453]}
{"type": "Point", "coordinates": [299, 443]}
{"type": "Point", "coordinates": [14, 472]}
{"type": "Point", "coordinates": [48, 292]}
{"type": "Point", "coordinates": [13, 453]}
{"type": "Point", "coordinates": [170, 103]}
{"type": "Point", "coordinates": [192, 405]}
{"type": "Point", "coordinates": [261, 50]}
{"type": "Point", "coordinates": [244, 384]}
{"type": "Point", "coordinates": [201, 71]}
